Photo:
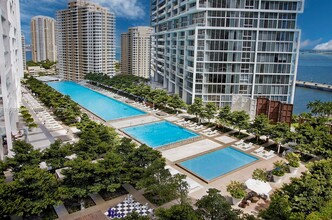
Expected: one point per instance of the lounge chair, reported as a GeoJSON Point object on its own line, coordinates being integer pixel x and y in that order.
{"type": "Point", "coordinates": [246, 146]}
{"type": "Point", "coordinates": [212, 132]}
{"type": "Point", "coordinates": [181, 120]}
{"type": "Point", "coordinates": [268, 154]}
{"type": "Point", "coordinates": [258, 150]}
{"type": "Point", "coordinates": [192, 125]}
{"type": "Point", "coordinates": [199, 127]}
{"type": "Point", "coordinates": [207, 130]}
{"type": "Point", "coordinates": [240, 142]}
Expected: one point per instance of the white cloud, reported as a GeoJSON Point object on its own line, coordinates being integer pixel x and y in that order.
{"type": "Point", "coordinates": [310, 43]}
{"type": "Point", "coordinates": [130, 9]}
{"type": "Point", "coordinates": [324, 46]}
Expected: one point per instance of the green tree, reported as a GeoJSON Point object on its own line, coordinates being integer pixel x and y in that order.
{"type": "Point", "coordinates": [239, 120]}
{"type": "Point", "coordinates": [278, 209]}
{"type": "Point", "coordinates": [325, 213]}
{"type": "Point", "coordinates": [81, 179]}
{"type": "Point", "coordinates": [55, 155]}
{"type": "Point", "coordinates": [210, 110]}
{"type": "Point", "coordinates": [279, 133]}
{"type": "Point", "coordinates": [215, 207]}
{"type": "Point", "coordinates": [109, 172]}
{"type": "Point", "coordinates": [31, 192]}
{"type": "Point", "coordinates": [225, 116]}
{"type": "Point", "coordinates": [176, 102]}
{"type": "Point", "coordinates": [196, 108]}
{"type": "Point", "coordinates": [319, 108]}
{"type": "Point", "coordinates": [3, 167]}
{"type": "Point", "coordinates": [260, 174]}
{"type": "Point", "coordinates": [303, 195]}
{"type": "Point", "coordinates": [24, 155]}
{"type": "Point", "coordinates": [177, 212]}
{"type": "Point", "coordinates": [159, 183]}
{"type": "Point", "coordinates": [135, 216]}
{"type": "Point", "coordinates": [260, 126]}
{"type": "Point", "coordinates": [139, 160]}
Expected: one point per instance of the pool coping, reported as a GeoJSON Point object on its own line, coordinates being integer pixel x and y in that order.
{"type": "Point", "coordinates": [177, 163]}
{"type": "Point", "coordinates": [165, 146]}
{"type": "Point", "coordinates": [112, 120]}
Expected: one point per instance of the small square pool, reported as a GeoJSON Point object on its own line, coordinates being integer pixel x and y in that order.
{"type": "Point", "coordinates": [159, 134]}
{"type": "Point", "coordinates": [212, 165]}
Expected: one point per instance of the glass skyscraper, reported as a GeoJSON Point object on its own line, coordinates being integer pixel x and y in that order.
{"type": "Point", "coordinates": [219, 49]}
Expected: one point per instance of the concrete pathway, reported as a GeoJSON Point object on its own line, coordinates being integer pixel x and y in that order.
{"type": "Point", "coordinates": [97, 198]}
{"type": "Point", "coordinates": [61, 210]}
{"type": "Point", "coordinates": [103, 207]}
{"type": "Point", "coordinates": [138, 195]}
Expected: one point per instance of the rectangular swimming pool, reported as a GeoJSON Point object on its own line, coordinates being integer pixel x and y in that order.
{"type": "Point", "coordinates": [99, 104]}
{"type": "Point", "coordinates": [212, 165]}
{"type": "Point", "coordinates": [159, 134]}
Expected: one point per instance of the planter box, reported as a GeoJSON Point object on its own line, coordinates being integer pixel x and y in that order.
{"type": "Point", "coordinates": [277, 179]}
{"type": "Point", "coordinates": [236, 201]}
{"type": "Point", "coordinates": [293, 170]}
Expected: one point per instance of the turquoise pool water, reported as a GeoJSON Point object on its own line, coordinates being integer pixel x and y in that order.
{"type": "Point", "coordinates": [159, 133]}
{"type": "Point", "coordinates": [218, 163]}
{"type": "Point", "coordinates": [99, 104]}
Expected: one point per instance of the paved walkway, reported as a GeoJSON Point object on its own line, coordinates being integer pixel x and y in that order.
{"type": "Point", "coordinates": [138, 195]}
{"type": "Point", "coordinates": [102, 205]}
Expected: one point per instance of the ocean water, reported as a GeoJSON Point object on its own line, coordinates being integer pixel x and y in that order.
{"type": "Point", "coordinates": [315, 68]}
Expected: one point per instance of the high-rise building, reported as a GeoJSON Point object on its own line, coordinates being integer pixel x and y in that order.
{"type": "Point", "coordinates": [136, 51]}
{"type": "Point", "coordinates": [85, 40]}
{"type": "Point", "coordinates": [24, 53]}
{"type": "Point", "coordinates": [216, 49]}
{"type": "Point", "coordinates": [43, 45]}
{"type": "Point", "coordinates": [11, 72]}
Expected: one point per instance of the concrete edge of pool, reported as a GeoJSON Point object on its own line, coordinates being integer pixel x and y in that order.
{"type": "Point", "coordinates": [173, 144]}
{"type": "Point", "coordinates": [177, 163]}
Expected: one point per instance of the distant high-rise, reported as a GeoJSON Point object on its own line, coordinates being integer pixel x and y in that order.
{"type": "Point", "coordinates": [85, 40]}
{"type": "Point", "coordinates": [43, 45]}
{"type": "Point", "coordinates": [24, 53]}
{"type": "Point", "coordinates": [219, 49]}
{"type": "Point", "coordinates": [11, 72]}
{"type": "Point", "coordinates": [136, 51]}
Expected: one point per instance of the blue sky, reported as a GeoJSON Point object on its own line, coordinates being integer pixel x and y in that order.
{"type": "Point", "coordinates": [316, 22]}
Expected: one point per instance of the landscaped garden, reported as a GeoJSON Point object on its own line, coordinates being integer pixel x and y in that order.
{"type": "Point", "coordinates": [105, 161]}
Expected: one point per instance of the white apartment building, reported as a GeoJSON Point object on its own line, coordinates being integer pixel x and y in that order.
{"type": "Point", "coordinates": [217, 49]}
{"type": "Point", "coordinates": [11, 72]}
{"type": "Point", "coordinates": [136, 51]}
{"type": "Point", "coordinates": [85, 40]}
{"type": "Point", "coordinates": [24, 57]}
{"type": "Point", "coordinates": [43, 45]}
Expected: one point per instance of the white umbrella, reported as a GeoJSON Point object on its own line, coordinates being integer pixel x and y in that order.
{"type": "Point", "coordinates": [258, 186]}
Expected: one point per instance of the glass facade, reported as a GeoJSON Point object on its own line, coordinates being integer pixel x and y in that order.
{"type": "Point", "coordinates": [215, 49]}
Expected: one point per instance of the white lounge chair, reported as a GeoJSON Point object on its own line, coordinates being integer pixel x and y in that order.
{"type": "Point", "coordinates": [199, 127]}
{"type": "Point", "coordinates": [258, 150]}
{"type": "Point", "coordinates": [246, 146]}
{"type": "Point", "coordinates": [181, 120]}
{"type": "Point", "coordinates": [212, 132]}
{"type": "Point", "coordinates": [268, 154]}
{"type": "Point", "coordinates": [192, 125]}
{"type": "Point", "coordinates": [207, 130]}
{"type": "Point", "coordinates": [240, 142]}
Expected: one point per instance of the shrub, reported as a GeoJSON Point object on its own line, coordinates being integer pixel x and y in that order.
{"type": "Point", "coordinates": [236, 189]}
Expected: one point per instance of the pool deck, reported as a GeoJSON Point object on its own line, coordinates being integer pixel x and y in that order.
{"type": "Point", "coordinates": [192, 148]}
